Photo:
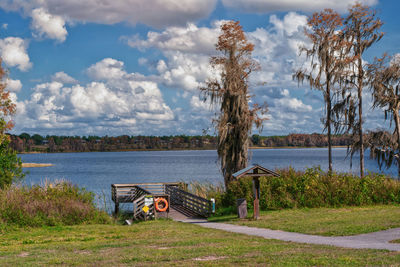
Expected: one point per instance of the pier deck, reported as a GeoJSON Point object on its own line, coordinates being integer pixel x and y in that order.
{"type": "Point", "coordinates": [182, 204]}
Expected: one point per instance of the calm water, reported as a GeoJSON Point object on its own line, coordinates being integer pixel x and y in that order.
{"type": "Point", "coordinates": [96, 171]}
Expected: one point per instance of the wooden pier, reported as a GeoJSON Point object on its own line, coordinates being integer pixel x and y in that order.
{"type": "Point", "coordinates": [181, 203]}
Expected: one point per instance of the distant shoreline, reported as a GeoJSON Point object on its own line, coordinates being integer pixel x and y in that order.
{"type": "Point", "coordinates": [191, 149]}
{"type": "Point", "coordinates": [293, 147]}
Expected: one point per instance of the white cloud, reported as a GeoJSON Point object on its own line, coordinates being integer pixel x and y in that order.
{"type": "Point", "coordinates": [121, 105]}
{"type": "Point", "coordinates": [62, 77]}
{"type": "Point", "coordinates": [13, 85]}
{"type": "Point", "coordinates": [187, 51]}
{"type": "Point", "coordinates": [47, 25]}
{"type": "Point", "coordinates": [289, 114]}
{"type": "Point", "coordinates": [292, 105]}
{"type": "Point", "coordinates": [276, 93]}
{"type": "Point", "coordinates": [268, 6]}
{"type": "Point", "coordinates": [185, 70]}
{"type": "Point", "coordinates": [14, 54]}
{"type": "Point", "coordinates": [291, 23]}
{"type": "Point", "coordinates": [154, 13]}
{"type": "Point", "coordinates": [107, 69]}
{"type": "Point", "coordinates": [277, 50]}
{"type": "Point", "coordinates": [189, 39]}
{"type": "Point", "coordinates": [198, 105]}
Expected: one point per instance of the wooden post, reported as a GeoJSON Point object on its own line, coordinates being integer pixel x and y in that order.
{"type": "Point", "coordinates": [116, 210]}
{"type": "Point", "coordinates": [256, 194]}
{"type": "Point", "coordinates": [134, 210]}
{"type": "Point", "coordinates": [154, 210]}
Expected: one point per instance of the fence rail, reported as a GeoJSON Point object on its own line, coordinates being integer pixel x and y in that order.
{"type": "Point", "coordinates": [138, 204]}
{"type": "Point", "coordinates": [196, 204]}
{"type": "Point", "coordinates": [126, 193]}
{"type": "Point", "coordinates": [135, 193]}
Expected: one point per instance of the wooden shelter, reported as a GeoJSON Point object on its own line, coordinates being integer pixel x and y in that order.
{"type": "Point", "coordinates": [256, 171]}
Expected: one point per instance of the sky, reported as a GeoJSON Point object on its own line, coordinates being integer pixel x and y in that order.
{"type": "Point", "coordinates": [116, 67]}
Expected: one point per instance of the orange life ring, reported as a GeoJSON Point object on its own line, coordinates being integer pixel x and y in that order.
{"type": "Point", "coordinates": [160, 200]}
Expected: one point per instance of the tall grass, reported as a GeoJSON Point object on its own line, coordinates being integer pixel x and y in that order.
{"type": "Point", "coordinates": [206, 190]}
{"type": "Point", "coordinates": [59, 203]}
{"type": "Point", "coordinates": [310, 188]}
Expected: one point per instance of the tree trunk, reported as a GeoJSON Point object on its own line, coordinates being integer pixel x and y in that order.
{"type": "Point", "coordinates": [360, 85]}
{"type": "Point", "coordinates": [328, 121]}
{"type": "Point", "coordinates": [360, 132]}
{"type": "Point", "coordinates": [397, 121]}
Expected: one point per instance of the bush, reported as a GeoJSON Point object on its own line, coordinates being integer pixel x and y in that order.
{"type": "Point", "coordinates": [310, 189]}
{"type": "Point", "coordinates": [10, 164]}
{"type": "Point", "coordinates": [52, 204]}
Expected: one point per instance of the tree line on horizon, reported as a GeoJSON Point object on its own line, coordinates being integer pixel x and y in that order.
{"type": "Point", "coordinates": [51, 144]}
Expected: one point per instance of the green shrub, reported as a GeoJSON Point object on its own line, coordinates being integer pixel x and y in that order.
{"type": "Point", "coordinates": [311, 188]}
{"type": "Point", "coordinates": [60, 203]}
{"type": "Point", "coordinates": [10, 163]}
{"type": "Point", "coordinates": [315, 188]}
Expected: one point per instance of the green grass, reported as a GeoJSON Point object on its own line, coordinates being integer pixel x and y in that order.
{"type": "Point", "coordinates": [162, 243]}
{"type": "Point", "coordinates": [325, 221]}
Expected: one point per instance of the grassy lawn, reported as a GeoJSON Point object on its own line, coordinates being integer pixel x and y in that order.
{"type": "Point", "coordinates": [169, 243]}
{"type": "Point", "coordinates": [325, 221]}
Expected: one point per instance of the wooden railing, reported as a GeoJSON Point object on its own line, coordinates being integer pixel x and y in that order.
{"type": "Point", "coordinates": [138, 204]}
{"type": "Point", "coordinates": [127, 193]}
{"type": "Point", "coordinates": [135, 193]}
{"type": "Point", "coordinates": [196, 204]}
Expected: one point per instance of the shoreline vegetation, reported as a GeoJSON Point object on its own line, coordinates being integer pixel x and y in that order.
{"type": "Point", "coordinates": [312, 188]}
{"type": "Point", "coordinates": [51, 204]}
{"type": "Point", "coordinates": [25, 143]}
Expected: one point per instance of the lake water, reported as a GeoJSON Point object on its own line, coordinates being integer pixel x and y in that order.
{"type": "Point", "coordinates": [96, 171]}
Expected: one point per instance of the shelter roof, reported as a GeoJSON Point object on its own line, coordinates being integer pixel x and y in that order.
{"type": "Point", "coordinates": [254, 171]}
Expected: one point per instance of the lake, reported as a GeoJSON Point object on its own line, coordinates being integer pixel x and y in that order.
{"type": "Point", "coordinates": [96, 171]}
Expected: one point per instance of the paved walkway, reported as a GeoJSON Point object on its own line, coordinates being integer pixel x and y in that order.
{"type": "Point", "coordinates": [376, 240]}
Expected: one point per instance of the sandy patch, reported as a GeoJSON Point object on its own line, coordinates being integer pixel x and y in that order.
{"type": "Point", "coordinates": [23, 254]}
{"type": "Point", "coordinates": [82, 252]}
{"type": "Point", "coordinates": [210, 258]}
{"type": "Point", "coordinates": [36, 165]}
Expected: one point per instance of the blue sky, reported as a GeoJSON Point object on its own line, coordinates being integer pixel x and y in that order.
{"type": "Point", "coordinates": [113, 67]}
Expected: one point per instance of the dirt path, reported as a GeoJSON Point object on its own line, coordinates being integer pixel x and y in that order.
{"type": "Point", "coordinates": [376, 240]}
